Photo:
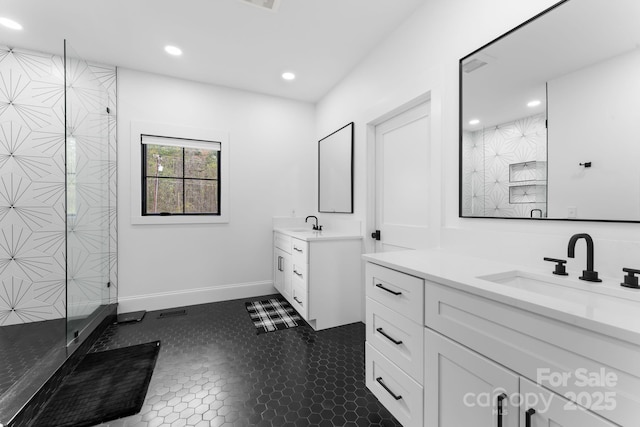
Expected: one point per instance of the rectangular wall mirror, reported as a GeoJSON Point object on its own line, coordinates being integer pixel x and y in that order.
{"type": "Point", "coordinates": [335, 171]}
{"type": "Point", "coordinates": [549, 117]}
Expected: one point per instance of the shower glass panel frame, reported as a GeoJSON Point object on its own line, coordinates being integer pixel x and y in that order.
{"type": "Point", "coordinates": [88, 202]}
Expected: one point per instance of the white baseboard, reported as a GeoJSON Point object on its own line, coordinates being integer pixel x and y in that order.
{"type": "Point", "coordinates": [187, 297]}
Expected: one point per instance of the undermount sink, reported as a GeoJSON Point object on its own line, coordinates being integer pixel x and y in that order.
{"type": "Point", "coordinates": [305, 230]}
{"type": "Point", "coordinates": [562, 287]}
{"type": "Point", "coordinates": [524, 280]}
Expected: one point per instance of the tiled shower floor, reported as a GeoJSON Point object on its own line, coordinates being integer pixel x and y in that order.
{"type": "Point", "coordinates": [23, 346]}
{"type": "Point", "coordinates": [213, 370]}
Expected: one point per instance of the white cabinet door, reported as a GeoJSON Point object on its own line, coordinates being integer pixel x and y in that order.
{"type": "Point", "coordinates": [543, 408]}
{"type": "Point", "coordinates": [282, 272]}
{"type": "Point", "coordinates": [463, 388]}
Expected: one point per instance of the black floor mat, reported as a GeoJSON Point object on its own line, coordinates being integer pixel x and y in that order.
{"type": "Point", "coordinates": [104, 386]}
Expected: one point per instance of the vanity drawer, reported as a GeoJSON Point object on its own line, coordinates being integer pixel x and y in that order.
{"type": "Point", "coordinates": [400, 394]}
{"type": "Point", "coordinates": [299, 298]}
{"type": "Point", "coordinates": [299, 271]}
{"type": "Point", "coordinates": [398, 338]}
{"type": "Point", "coordinates": [400, 292]}
{"type": "Point", "coordinates": [299, 250]}
{"type": "Point", "coordinates": [282, 241]}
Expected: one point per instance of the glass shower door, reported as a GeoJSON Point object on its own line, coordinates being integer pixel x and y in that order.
{"type": "Point", "coordinates": [87, 185]}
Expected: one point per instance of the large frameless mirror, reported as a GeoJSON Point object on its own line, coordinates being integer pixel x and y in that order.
{"type": "Point", "coordinates": [549, 115]}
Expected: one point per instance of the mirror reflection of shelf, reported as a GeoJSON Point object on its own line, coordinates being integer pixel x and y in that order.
{"type": "Point", "coordinates": [533, 170]}
{"type": "Point", "coordinates": [527, 183]}
{"type": "Point", "coordinates": [528, 193]}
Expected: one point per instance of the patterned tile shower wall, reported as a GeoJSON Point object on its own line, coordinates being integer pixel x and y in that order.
{"type": "Point", "coordinates": [504, 172]}
{"type": "Point", "coordinates": [32, 181]}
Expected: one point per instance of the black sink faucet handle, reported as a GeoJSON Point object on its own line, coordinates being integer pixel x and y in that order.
{"type": "Point", "coordinates": [631, 280]}
{"type": "Point", "coordinates": [560, 266]}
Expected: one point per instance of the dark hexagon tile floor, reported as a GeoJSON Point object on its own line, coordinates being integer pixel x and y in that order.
{"type": "Point", "coordinates": [213, 370]}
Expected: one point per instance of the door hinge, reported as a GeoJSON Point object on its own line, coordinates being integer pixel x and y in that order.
{"type": "Point", "coordinates": [376, 235]}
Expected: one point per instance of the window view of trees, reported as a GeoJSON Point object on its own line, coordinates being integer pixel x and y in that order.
{"type": "Point", "coordinates": [180, 180]}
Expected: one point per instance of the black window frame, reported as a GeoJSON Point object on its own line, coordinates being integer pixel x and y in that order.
{"type": "Point", "coordinates": [183, 178]}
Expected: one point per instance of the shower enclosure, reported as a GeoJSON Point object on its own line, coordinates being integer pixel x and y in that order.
{"type": "Point", "coordinates": [89, 167]}
{"type": "Point", "coordinates": [58, 236]}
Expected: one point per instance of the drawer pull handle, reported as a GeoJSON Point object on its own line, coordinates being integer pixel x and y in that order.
{"type": "Point", "coordinates": [297, 249]}
{"type": "Point", "coordinates": [396, 293]}
{"type": "Point", "coordinates": [528, 415]}
{"type": "Point", "coordinates": [280, 259]}
{"type": "Point", "coordinates": [396, 342]}
{"type": "Point", "coordinates": [500, 411]}
{"type": "Point", "coordinates": [296, 273]}
{"type": "Point", "coordinates": [297, 300]}
{"type": "Point", "coordinates": [384, 386]}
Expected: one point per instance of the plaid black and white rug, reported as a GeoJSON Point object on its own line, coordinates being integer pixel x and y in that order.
{"type": "Point", "coordinates": [272, 315]}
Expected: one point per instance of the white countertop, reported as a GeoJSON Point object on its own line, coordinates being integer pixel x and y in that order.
{"type": "Point", "coordinates": [307, 234]}
{"type": "Point", "coordinates": [605, 307]}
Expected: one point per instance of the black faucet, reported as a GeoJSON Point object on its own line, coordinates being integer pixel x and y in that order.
{"type": "Point", "coordinates": [315, 226]}
{"type": "Point", "coordinates": [589, 274]}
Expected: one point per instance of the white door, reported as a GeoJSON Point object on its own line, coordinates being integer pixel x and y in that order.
{"type": "Point", "coordinates": [402, 179]}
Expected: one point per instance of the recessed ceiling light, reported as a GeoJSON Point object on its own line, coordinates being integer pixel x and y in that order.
{"type": "Point", "coordinates": [534, 103]}
{"type": "Point", "coordinates": [474, 122]}
{"type": "Point", "coordinates": [10, 23]}
{"type": "Point", "coordinates": [288, 76]}
{"type": "Point", "coordinates": [172, 50]}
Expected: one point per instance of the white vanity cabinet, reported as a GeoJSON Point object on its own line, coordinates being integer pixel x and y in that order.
{"type": "Point", "coordinates": [494, 356]}
{"type": "Point", "coordinates": [319, 273]}
{"type": "Point", "coordinates": [558, 355]}
{"type": "Point", "coordinates": [394, 347]}
{"type": "Point", "coordinates": [469, 389]}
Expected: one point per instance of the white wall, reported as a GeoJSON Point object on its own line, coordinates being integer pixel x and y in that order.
{"type": "Point", "coordinates": [274, 155]}
{"type": "Point", "coordinates": [421, 56]}
{"type": "Point", "coordinates": [272, 169]}
{"type": "Point", "coordinates": [590, 114]}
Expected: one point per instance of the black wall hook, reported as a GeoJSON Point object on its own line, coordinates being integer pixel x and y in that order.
{"type": "Point", "coordinates": [585, 164]}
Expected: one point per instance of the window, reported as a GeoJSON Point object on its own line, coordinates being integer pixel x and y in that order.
{"type": "Point", "coordinates": [180, 176]}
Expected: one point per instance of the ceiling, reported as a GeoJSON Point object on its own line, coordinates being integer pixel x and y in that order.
{"type": "Point", "coordinates": [225, 42]}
